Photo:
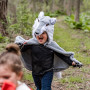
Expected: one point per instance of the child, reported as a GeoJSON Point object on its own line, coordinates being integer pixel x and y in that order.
{"type": "Point", "coordinates": [42, 55]}
{"type": "Point", "coordinates": [11, 69]}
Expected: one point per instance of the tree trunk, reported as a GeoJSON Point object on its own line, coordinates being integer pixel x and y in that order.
{"type": "Point", "coordinates": [47, 2]}
{"type": "Point", "coordinates": [3, 20]}
{"type": "Point", "coordinates": [69, 7]}
{"type": "Point", "coordinates": [65, 5]}
{"type": "Point", "coordinates": [73, 6]}
{"type": "Point", "coordinates": [52, 5]}
{"type": "Point", "coordinates": [34, 5]}
{"type": "Point", "coordinates": [77, 10]}
{"type": "Point", "coordinates": [61, 4]}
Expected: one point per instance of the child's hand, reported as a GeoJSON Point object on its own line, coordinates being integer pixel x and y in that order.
{"type": "Point", "coordinates": [25, 43]}
{"type": "Point", "coordinates": [73, 63]}
{"type": "Point", "coordinates": [76, 64]}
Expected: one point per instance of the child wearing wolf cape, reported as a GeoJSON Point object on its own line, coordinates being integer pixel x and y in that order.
{"type": "Point", "coordinates": [42, 55]}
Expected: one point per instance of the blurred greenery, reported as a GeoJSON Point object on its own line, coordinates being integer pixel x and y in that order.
{"type": "Point", "coordinates": [24, 20]}
{"type": "Point", "coordinates": [83, 24]}
{"type": "Point", "coordinates": [3, 39]}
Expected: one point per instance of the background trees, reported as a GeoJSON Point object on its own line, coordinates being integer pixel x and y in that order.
{"type": "Point", "coordinates": [77, 10]}
{"type": "Point", "coordinates": [3, 20]}
{"type": "Point", "coordinates": [21, 13]}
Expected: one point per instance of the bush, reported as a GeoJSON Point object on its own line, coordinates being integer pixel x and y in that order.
{"type": "Point", "coordinates": [3, 39]}
{"type": "Point", "coordinates": [83, 24]}
{"type": "Point", "coordinates": [54, 14]}
{"type": "Point", "coordinates": [24, 20]}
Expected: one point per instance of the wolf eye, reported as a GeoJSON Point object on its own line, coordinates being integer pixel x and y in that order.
{"type": "Point", "coordinates": [36, 33]}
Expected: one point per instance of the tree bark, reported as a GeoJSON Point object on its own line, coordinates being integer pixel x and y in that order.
{"type": "Point", "coordinates": [34, 5]}
{"type": "Point", "coordinates": [69, 7]}
{"type": "Point", "coordinates": [77, 10]}
{"type": "Point", "coordinates": [65, 5]}
{"type": "Point", "coordinates": [3, 20]}
{"type": "Point", "coordinates": [61, 4]}
{"type": "Point", "coordinates": [47, 2]}
{"type": "Point", "coordinates": [52, 5]}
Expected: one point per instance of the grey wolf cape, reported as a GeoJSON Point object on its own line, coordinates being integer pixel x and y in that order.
{"type": "Point", "coordinates": [45, 23]}
{"type": "Point", "coordinates": [59, 64]}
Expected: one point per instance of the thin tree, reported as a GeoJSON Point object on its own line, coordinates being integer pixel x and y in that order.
{"type": "Point", "coordinates": [69, 7]}
{"type": "Point", "coordinates": [61, 4]}
{"type": "Point", "coordinates": [3, 20]}
{"type": "Point", "coordinates": [47, 2]}
{"type": "Point", "coordinates": [34, 5]}
{"type": "Point", "coordinates": [65, 5]}
{"type": "Point", "coordinates": [77, 10]}
{"type": "Point", "coordinates": [52, 5]}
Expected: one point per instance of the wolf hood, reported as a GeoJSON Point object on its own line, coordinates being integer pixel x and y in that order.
{"type": "Point", "coordinates": [44, 23]}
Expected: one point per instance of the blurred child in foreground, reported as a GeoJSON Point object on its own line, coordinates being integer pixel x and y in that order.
{"type": "Point", "coordinates": [11, 69]}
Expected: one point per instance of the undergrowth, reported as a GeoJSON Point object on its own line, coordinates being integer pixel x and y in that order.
{"type": "Point", "coordinates": [84, 22]}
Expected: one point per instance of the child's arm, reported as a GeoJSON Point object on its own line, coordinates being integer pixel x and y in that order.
{"type": "Point", "coordinates": [24, 46]}
{"type": "Point", "coordinates": [68, 60]}
{"type": "Point", "coordinates": [65, 58]}
{"type": "Point", "coordinates": [76, 64]}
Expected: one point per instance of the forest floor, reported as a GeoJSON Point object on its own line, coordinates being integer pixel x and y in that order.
{"type": "Point", "coordinates": [77, 41]}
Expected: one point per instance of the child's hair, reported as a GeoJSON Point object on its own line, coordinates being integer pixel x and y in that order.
{"type": "Point", "coordinates": [11, 57]}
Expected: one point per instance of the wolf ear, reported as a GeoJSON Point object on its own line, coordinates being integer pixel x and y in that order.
{"type": "Point", "coordinates": [53, 21]}
{"type": "Point", "coordinates": [41, 14]}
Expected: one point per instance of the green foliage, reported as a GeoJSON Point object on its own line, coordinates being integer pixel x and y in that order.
{"type": "Point", "coordinates": [83, 24]}
{"type": "Point", "coordinates": [77, 79]}
{"type": "Point", "coordinates": [85, 6]}
{"type": "Point", "coordinates": [3, 39]}
{"type": "Point", "coordinates": [24, 19]}
{"type": "Point", "coordinates": [55, 14]}
{"type": "Point", "coordinates": [28, 77]}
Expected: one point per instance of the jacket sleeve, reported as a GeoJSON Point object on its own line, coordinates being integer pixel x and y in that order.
{"type": "Point", "coordinates": [64, 58]}
{"type": "Point", "coordinates": [25, 47]}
